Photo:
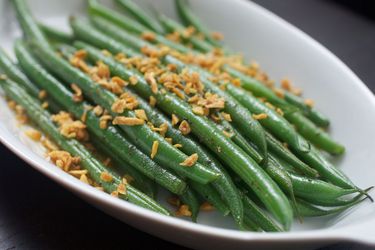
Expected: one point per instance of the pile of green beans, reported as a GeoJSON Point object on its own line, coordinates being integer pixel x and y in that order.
{"type": "Point", "coordinates": [262, 172]}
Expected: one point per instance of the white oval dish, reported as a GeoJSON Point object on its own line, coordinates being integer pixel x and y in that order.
{"type": "Point", "coordinates": [282, 51]}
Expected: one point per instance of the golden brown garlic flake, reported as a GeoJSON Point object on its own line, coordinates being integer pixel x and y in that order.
{"type": "Point", "coordinates": [103, 70]}
{"type": "Point", "coordinates": [78, 96]}
{"type": "Point", "coordinates": [217, 36]}
{"type": "Point", "coordinates": [127, 121]}
{"type": "Point", "coordinates": [184, 210]}
{"type": "Point", "coordinates": [154, 149]}
{"type": "Point", "coordinates": [119, 106]}
{"type": "Point", "coordinates": [49, 145]}
{"type": "Point", "coordinates": [175, 120]}
{"type": "Point", "coordinates": [45, 105]}
{"type": "Point", "coordinates": [206, 207]}
{"type": "Point", "coordinates": [190, 161]}
{"type": "Point", "coordinates": [121, 188]}
{"type": "Point", "coordinates": [63, 159]}
{"type": "Point", "coordinates": [133, 80]}
{"type": "Point", "coordinates": [260, 116]}
{"type": "Point", "coordinates": [98, 110]}
{"type": "Point", "coordinates": [309, 102]}
{"type": "Point", "coordinates": [33, 134]}
{"type": "Point", "coordinates": [226, 116]}
{"type": "Point", "coordinates": [198, 110]}
{"type": "Point", "coordinates": [184, 128]}
{"type": "Point", "coordinates": [152, 101]}
{"type": "Point", "coordinates": [42, 94]}
{"type": "Point", "coordinates": [70, 128]}
{"type": "Point", "coordinates": [150, 78]}
{"type": "Point", "coordinates": [141, 114]}
{"type": "Point", "coordinates": [212, 101]}
{"type": "Point", "coordinates": [287, 85]}
{"type": "Point", "coordinates": [103, 121]}
{"type": "Point", "coordinates": [148, 36]}
{"type": "Point", "coordinates": [106, 177]}
{"type": "Point", "coordinates": [21, 116]}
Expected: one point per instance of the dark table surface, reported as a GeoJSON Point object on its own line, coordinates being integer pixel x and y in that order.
{"type": "Point", "coordinates": [38, 214]}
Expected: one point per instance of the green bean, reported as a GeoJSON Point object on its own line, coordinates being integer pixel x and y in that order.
{"type": "Point", "coordinates": [282, 178]}
{"type": "Point", "coordinates": [307, 209]}
{"type": "Point", "coordinates": [238, 139]}
{"type": "Point", "coordinates": [56, 35]}
{"type": "Point", "coordinates": [173, 26]}
{"type": "Point", "coordinates": [274, 122]}
{"type": "Point", "coordinates": [250, 225]}
{"type": "Point", "coordinates": [314, 134]}
{"type": "Point", "coordinates": [286, 165]}
{"type": "Point", "coordinates": [213, 138]}
{"type": "Point", "coordinates": [189, 18]}
{"type": "Point", "coordinates": [138, 179]}
{"type": "Point", "coordinates": [141, 135]}
{"type": "Point", "coordinates": [250, 83]}
{"type": "Point", "coordinates": [325, 168]}
{"type": "Point", "coordinates": [84, 31]}
{"type": "Point", "coordinates": [189, 198]}
{"type": "Point", "coordinates": [223, 185]}
{"type": "Point", "coordinates": [314, 115]}
{"type": "Point", "coordinates": [100, 14]}
{"type": "Point", "coordinates": [258, 216]}
{"type": "Point", "coordinates": [13, 72]}
{"type": "Point", "coordinates": [94, 8]}
{"type": "Point", "coordinates": [28, 24]}
{"type": "Point", "coordinates": [111, 136]}
{"type": "Point", "coordinates": [307, 128]}
{"type": "Point", "coordinates": [254, 85]}
{"type": "Point", "coordinates": [212, 196]}
{"type": "Point", "coordinates": [277, 148]}
{"type": "Point", "coordinates": [315, 189]}
{"type": "Point", "coordinates": [43, 119]}
{"type": "Point", "coordinates": [240, 115]}
{"type": "Point", "coordinates": [140, 15]}
{"type": "Point", "coordinates": [257, 88]}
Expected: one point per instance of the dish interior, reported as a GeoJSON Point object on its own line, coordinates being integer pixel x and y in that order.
{"type": "Point", "coordinates": [282, 52]}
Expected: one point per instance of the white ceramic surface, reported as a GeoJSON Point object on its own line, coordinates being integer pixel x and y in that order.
{"type": "Point", "coordinates": [282, 50]}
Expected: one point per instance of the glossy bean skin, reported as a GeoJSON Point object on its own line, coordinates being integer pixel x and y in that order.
{"type": "Point", "coordinates": [55, 35]}
{"type": "Point", "coordinates": [173, 26]}
{"type": "Point", "coordinates": [224, 185]}
{"type": "Point", "coordinates": [43, 119]}
{"type": "Point", "coordinates": [141, 16]}
{"type": "Point", "coordinates": [100, 15]}
{"type": "Point", "coordinates": [10, 69]}
{"type": "Point", "coordinates": [310, 112]}
{"type": "Point", "coordinates": [314, 134]}
{"type": "Point", "coordinates": [238, 139]}
{"type": "Point", "coordinates": [141, 135]}
{"type": "Point", "coordinates": [307, 209]}
{"type": "Point", "coordinates": [278, 149]}
{"type": "Point", "coordinates": [189, 198]}
{"type": "Point", "coordinates": [227, 151]}
{"type": "Point", "coordinates": [240, 115]}
{"type": "Point", "coordinates": [28, 24]}
{"type": "Point", "coordinates": [111, 136]}
{"type": "Point", "coordinates": [189, 18]}
{"type": "Point", "coordinates": [257, 215]}
{"type": "Point", "coordinates": [273, 122]}
{"type": "Point", "coordinates": [139, 180]}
